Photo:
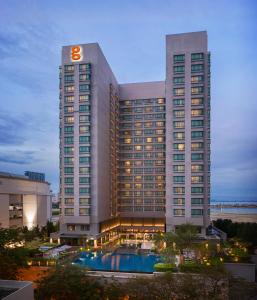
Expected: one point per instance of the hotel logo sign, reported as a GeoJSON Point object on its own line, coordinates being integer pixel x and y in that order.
{"type": "Point", "coordinates": [76, 53]}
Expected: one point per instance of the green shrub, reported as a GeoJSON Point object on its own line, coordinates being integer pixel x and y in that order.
{"type": "Point", "coordinates": [190, 267]}
{"type": "Point", "coordinates": [162, 267]}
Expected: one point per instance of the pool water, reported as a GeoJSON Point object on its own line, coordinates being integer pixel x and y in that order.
{"type": "Point", "coordinates": [118, 262]}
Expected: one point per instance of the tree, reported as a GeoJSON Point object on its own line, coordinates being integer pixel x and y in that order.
{"type": "Point", "coordinates": [68, 282]}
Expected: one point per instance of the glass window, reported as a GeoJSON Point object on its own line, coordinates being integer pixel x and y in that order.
{"type": "Point", "coordinates": [71, 227]}
{"type": "Point", "coordinates": [68, 119]}
{"type": "Point", "coordinates": [69, 211]}
{"type": "Point", "coordinates": [83, 77]}
{"type": "Point", "coordinates": [84, 149]}
{"type": "Point", "coordinates": [197, 179]}
{"type": "Point", "coordinates": [69, 88]}
{"type": "Point", "coordinates": [197, 190]}
{"type": "Point", "coordinates": [85, 67]}
{"type": "Point", "coordinates": [196, 101]}
{"type": "Point", "coordinates": [178, 168]}
{"type": "Point", "coordinates": [196, 156]}
{"type": "Point", "coordinates": [196, 112]}
{"type": "Point", "coordinates": [179, 201]}
{"type": "Point", "coordinates": [197, 168]}
{"type": "Point", "coordinates": [84, 129]}
{"type": "Point", "coordinates": [69, 68]}
{"type": "Point", "coordinates": [85, 227]}
{"type": "Point", "coordinates": [196, 134]}
{"type": "Point", "coordinates": [178, 102]}
{"type": "Point", "coordinates": [180, 124]}
{"type": "Point", "coordinates": [178, 92]}
{"type": "Point", "coordinates": [84, 190]}
{"type": "Point", "coordinates": [84, 201]}
{"type": "Point", "coordinates": [197, 56]}
{"type": "Point", "coordinates": [178, 179]}
{"type": "Point", "coordinates": [84, 108]}
{"type": "Point", "coordinates": [68, 99]}
{"type": "Point", "coordinates": [178, 135]}
{"type": "Point", "coordinates": [178, 80]}
{"type": "Point", "coordinates": [69, 201]}
{"type": "Point", "coordinates": [68, 78]}
{"type": "Point", "coordinates": [68, 160]}
{"type": "Point", "coordinates": [179, 58]}
{"type": "Point", "coordinates": [197, 201]}
{"type": "Point", "coordinates": [84, 119]}
{"type": "Point", "coordinates": [68, 140]}
{"type": "Point", "coordinates": [68, 170]}
{"type": "Point", "coordinates": [197, 68]}
{"type": "Point", "coordinates": [178, 113]}
{"type": "Point", "coordinates": [68, 129]}
{"type": "Point", "coordinates": [179, 69]}
{"type": "Point", "coordinates": [197, 90]}
{"type": "Point", "coordinates": [84, 180]}
{"type": "Point", "coordinates": [196, 146]}
{"type": "Point", "coordinates": [179, 212]}
{"type": "Point", "coordinates": [197, 79]}
{"type": "Point", "coordinates": [84, 170]}
{"type": "Point", "coordinates": [196, 212]}
{"type": "Point", "coordinates": [68, 150]}
{"type": "Point", "coordinates": [84, 98]}
{"type": "Point", "coordinates": [84, 87]}
{"type": "Point", "coordinates": [179, 146]}
{"type": "Point", "coordinates": [197, 123]}
{"type": "Point", "coordinates": [84, 160]}
{"type": "Point", "coordinates": [69, 190]}
{"type": "Point", "coordinates": [84, 139]}
{"type": "Point", "coordinates": [68, 180]}
{"type": "Point", "coordinates": [84, 211]}
{"type": "Point", "coordinates": [177, 157]}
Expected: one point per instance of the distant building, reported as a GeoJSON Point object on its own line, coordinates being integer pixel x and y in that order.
{"type": "Point", "coordinates": [23, 201]}
{"type": "Point", "coordinates": [134, 158]}
{"type": "Point", "coordinates": [35, 175]}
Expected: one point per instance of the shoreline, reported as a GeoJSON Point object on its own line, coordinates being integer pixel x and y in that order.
{"type": "Point", "coordinates": [235, 217]}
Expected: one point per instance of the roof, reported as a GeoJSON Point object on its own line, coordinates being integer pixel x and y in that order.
{"type": "Point", "coordinates": [18, 176]}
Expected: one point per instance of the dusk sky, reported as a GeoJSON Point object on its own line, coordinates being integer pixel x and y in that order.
{"type": "Point", "coordinates": [132, 37]}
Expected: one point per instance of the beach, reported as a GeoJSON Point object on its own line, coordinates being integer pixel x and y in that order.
{"type": "Point", "coordinates": [235, 217]}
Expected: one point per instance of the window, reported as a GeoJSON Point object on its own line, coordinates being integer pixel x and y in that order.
{"type": "Point", "coordinates": [160, 101]}
{"type": "Point", "coordinates": [69, 190]}
{"type": "Point", "coordinates": [197, 68]}
{"type": "Point", "coordinates": [84, 98]}
{"type": "Point", "coordinates": [196, 156]}
{"type": "Point", "coordinates": [85, 227]}
{"type": "Point", "coordinates": [197, 90]}
{"type": "Point", "coordinates": [197, 168]}
{"type": "Point", "coordinates": [178, 102]}
{"type": "Point", "coordinates": [196, 101]}
{"type": "Point", "coordinates": [68, 180]}
{"type": "Point", "coordinates": [179, 201]}
{"type": "Point", "coordinates": [68, 140]}
{"type": "Point", "coordinates": [69, 88]}
{"type": "Point", "coordinates": [179, 124]}
{"type": "Point", "coordinates": [197, 190]}
{"type": "Point", "coordinates": [178, 58]}
{"type": "Point", "coordinates": [196, 212]}
{"type": "Point", "coordinates": [68, 150]}
{"type": "Point", "coordinates": [178, 157]}
{"type": "Point", "coordinates": [178, 179]}
{"type": "Point", "coordinates": [68, 160]}
{"type": "Point", "coordinates": [84, 149]}
{"type": "Point", "coordinates": [84, 201]}
{"type": "Point", "coordinates": [178, 92]}
{"type": "Point", "coordinates": [85, 211]}
{"type": "Point", "coordinates": [179, 69]}
{"type": "Point", "coordinates": [84, 129]}
{"type": "Point", "coordinates": [68, 109]}
{"type": "Point", "coordinates": [149, 140]}
{"type": "Point", "coordinates": [71, 227]}
{"type": "Point", "coordinates": [197, 79]}
{"type": "Point", "coordinates": [179, 146]}
{"type": "Point", "coordinates": [84, 160]}
{"type": "Point", "coordinates": [178, 113]}
{"type": "Point", "coordinates": [68, 119]}
{"type": "Point", "coordinates": [197, 201]}
{"type": "Point", "coordinates": [68, 170]}
{"type": "Point", "coordinates": [69, 211]}
{"type": "Point", "coordinates": [69, 201]}
{"type": "Point", "coordinates": [84, 190]}
{"type": "Point", "coordinates": [179, 212]}
{"type": "Point", "coordinates": [159, 124]}
{"type": "Point", "coordinates": [83, 119]}
{"type": "Point", "coordinates": [178, 168]}
{"type": "Point", "coordinates": [68, 129]}
{"type": "Point", "coordinates": [84, 139]}
{"type": "Point", "coordinates": [197, 56]}
{"type": "Point", "coordinates": [84, 180]}
{"type": "Point", "coordinates": [68, 78]}
{"type": "Point", "coordinates": [84, 67]}
{"type": "Point", "coordinates": [69, 68]}
{"type": "Point", "coordinates": [179, 190]}
{"type": "Point", "coordinates": [84, 87]}
{"type": "Point", "coordinates": [83, 77]}
{"type": "Point", "coordinates": [84, 108]}
{"type": "Point", "coordinates": [178, 80]}
{"type": "Point", "coordinates": [138, 147]}
{"type": "Point", "coordinates": [196, 134]}
{"type": "Point", "coordinates": [197, 123]}
{"type": "Point", "coordinates": [68, 99]}
{"type": "Point", "coordinates": [197, 179]}
{"type": "Point", "coordinates": [178, 135]}
{"type": "Point", "coordinates": [196, 112]}
{"type": "Point", "coordinates": [84, 170]}
{"type": "Point", "coordinates": [196, 146]}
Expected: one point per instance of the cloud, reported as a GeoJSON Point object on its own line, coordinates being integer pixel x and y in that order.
{"type": "Point", "coordinates": [19, 157]}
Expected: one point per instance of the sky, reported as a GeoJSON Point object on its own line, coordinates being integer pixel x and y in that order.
{"type": "Point", "coordinates": [132, 36]}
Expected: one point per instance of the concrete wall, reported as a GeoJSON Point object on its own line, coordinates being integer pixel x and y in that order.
{"type": "Point", "coordinates": [142, 90]}
{"type": "Point", "coordinates": [246, 271]}
{"type": "Point", "coordinates": [36, 200]}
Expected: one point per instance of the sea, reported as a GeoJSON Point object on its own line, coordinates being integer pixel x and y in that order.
{"type": "Point", "coordinates": [233, 207]}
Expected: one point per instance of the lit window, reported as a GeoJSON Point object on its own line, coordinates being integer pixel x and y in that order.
{"type": "Point", "coordinates": [179, 212]}
{"type": "Point", "coordinates": [178, 168]}
{"type": "Point", "coordinates": [149, 140]}
{"type": "Point", "coordinates": [69, 68]}
{"type": "Point", "coordinates": [148, 147]}
{"type": "Point", "coordinates": [84, 201]}
{"type": "Point", "coordinates": [179, 124]}
{"type": "Point", "coordinates": [196, 179]}
{"type": "Point", "coordinates": [69, 201]}
{"type": "Point", "coordinates": [197, 101]}
{"type": "Point", "coordinates": [179, 190]}
{"type": "Point", "coordinates": [178, 113]}
{"type": "Point", "coordinates": [69, 211]}
{"type": "Point", "coordinates": [197, 168]}
{"type": "Point", "coordinates": [196, 79]}
{"type": "Point", "coordinates": [178, 91]}
{"type": "Point", "coordinates": [84, 98]}
{"type": "Point", "coordinates": [85, 211]}
{"type": "Point", "coordinates": [69, 120]}
{"type": "Point", "coordinates": [127, 141]}
{"type": "Point", "coordinates": [197, 90]}
{"type": "Point", "coordinates": [68, 99]}
{"type": "Point", "coordinates": [179, 146]}
{"type": "Point", "coordinates": [71, 227]}
{"type": "Point", "coordinates": [179, 135]}
{"type": "Point", "coordinates": [84, 67]}
{"type": "Point", "coordinates": [196, 146]}
{"type": "Point", "coordinates": [179, 201]}
{"type": "Point", "coordinates": [138, 147]}
{"type": "Point", "coordinates": [160, 139]}
{"type": "Point", "coordinates": [160, 101]}
{"type": "Point", "coordinates": [83, 129]}
{"type": "Point", "coordinates": [84, 170]}
{"type": "Point", "coordinates": [69, 88]}
{"type": "Point", "coordinates": [197, 112]}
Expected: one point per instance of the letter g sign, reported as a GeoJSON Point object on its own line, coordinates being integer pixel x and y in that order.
{"type": "Point", "coordinates": [76, 53]}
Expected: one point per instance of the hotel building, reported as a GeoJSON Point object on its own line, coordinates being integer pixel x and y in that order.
{"type": "Point", "coordinates": [134, 158]}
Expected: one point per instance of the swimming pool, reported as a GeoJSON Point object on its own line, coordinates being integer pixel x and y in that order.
{"type": "Point", "coordinates": [118, 262]}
